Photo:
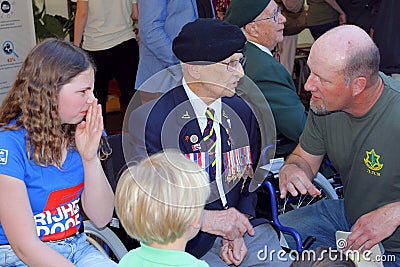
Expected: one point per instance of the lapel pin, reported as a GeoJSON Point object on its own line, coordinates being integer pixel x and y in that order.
{"type": "Point", "coordinates": [194, 138]}
{"type": "Point", "coordinates": [196, 147]}
{"type": "Point", "coordinates": [186, 115]}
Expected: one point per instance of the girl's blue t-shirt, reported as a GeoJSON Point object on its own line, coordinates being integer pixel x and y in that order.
{"type": "Point", "coordinates": [53, 193]}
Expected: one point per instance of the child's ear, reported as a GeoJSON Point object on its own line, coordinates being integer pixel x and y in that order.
{"type": "Point", "coordinates": [197, 222]}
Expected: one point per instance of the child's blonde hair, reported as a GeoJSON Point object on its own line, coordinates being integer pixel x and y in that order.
{"type": "Point", "coordinates": [157, 199]}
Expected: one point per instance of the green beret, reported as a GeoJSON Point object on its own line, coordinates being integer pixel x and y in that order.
{"type": "Point", "coordinates": [242, 12]}
{"type": "Point", "coordinates": [208, 40]}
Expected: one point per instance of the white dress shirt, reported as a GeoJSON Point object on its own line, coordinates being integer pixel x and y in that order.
{"type": "Point", "coordinates": [200, 108]}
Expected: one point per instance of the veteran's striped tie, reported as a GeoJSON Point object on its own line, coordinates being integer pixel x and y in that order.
{"type": "Point", "coordinates": [209, 139]}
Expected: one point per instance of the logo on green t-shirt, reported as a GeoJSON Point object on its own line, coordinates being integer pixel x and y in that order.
{"type": "Point", "coordinates": [371, 160]}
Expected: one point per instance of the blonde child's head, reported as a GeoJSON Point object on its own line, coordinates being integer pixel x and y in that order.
{"type": "Point", "coordinates": [158, 199]}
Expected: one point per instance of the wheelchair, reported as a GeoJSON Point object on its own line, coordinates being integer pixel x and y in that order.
{"type": "Point", "coordinates": [115, 242]}
{"type": "Point", "coordinates": [330, 188]}
{"type": "Point", "coordinates": [105, 240]}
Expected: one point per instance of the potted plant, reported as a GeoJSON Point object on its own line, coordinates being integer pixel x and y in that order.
{"type": "Point", "coordinates": [51, 25]}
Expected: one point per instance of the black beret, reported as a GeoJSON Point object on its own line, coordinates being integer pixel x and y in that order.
{"type": "Point", "coordinates": [208, 40]}
{"type": "Point", "coordinates": [242, 12]}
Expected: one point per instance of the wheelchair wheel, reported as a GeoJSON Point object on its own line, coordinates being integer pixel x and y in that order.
{"type": "Point", "coordinates": [325, 186]}
{"type": "Point", "coordinates": [321, 183]}
{"type": "Point", "coordinates": [105, 240]}
{"type": "Point", "coordinates": [329, 190]}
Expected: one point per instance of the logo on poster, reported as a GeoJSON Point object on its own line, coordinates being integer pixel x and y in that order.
{"type": "Point", "coordinates": [5, 7]}
{"type": "Point", "coordinates": [8, 49]}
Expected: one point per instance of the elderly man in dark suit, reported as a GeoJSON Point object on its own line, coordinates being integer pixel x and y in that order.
{"type": "Point", "coordinates": [262, 23]}
{"type": "Point", "coordinates": [210, 124]}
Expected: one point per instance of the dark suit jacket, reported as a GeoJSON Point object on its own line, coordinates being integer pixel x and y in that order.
{"type": "Point", "coordinates": [277, 86]}
{"type": "Point", "coordinates": [168, 122]}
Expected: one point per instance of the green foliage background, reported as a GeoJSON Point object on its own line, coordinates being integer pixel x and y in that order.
{"type": "Point", "coordinates": [55, 26]}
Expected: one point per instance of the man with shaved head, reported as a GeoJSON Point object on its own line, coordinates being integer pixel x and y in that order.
{"type": "Point", "coordinates": [355, 121]}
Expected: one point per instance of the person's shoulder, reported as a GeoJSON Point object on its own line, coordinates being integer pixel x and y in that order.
{"type": "Point", "coordinates": [391, 92]}
{"type": "Point", "coordinates": [160, 108]}
{"type": "Point", "coordinates": [235, 99]}
{"type": "Point", "coordinates": [12, 145]}
{"type": "Point", "coordinates": [16, 135]}
{"type": "Point", "coordinates": [200, 263]}
{"type": "Point", "coordinates": [169, 99]}
{"type": "Point", "coordinates": [255, 56]}
{"type": "Point", "coordinates": [238, 104]}
{"type": "Point", "coordinates": [132, 258]}
{"type": "Point", "coordinates": [254, 52]}
{"type": "Point", "coordinates": [191, 261]}
{"type": "Point", "coordinates": [391, 83]}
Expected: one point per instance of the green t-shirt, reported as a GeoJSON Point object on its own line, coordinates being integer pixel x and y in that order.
{"type": "Point", "coordinates": [364, 150]}
{"type": "Point", "coordinates": [146, 256]}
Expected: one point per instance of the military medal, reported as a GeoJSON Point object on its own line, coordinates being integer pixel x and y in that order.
{"type": "Point", "coordinates": [200, 158]}
{"type": "Point", "coordinates": [237, 163]}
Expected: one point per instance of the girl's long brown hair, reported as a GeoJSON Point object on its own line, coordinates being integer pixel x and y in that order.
{"type": "Point", "coordinates": [33, 99]}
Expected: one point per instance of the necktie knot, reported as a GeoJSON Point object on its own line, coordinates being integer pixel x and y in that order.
{"type": "Point", "coordinates": [210, 112]}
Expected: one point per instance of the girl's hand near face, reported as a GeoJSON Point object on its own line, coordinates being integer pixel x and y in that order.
{"type": "Point", "coordinates": [97, 192]}
{"type": "Point", "coordinates": [88, 133]}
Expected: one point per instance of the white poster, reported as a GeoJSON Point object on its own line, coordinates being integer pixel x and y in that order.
{"type": "Point", "coordinates": [17, 38]}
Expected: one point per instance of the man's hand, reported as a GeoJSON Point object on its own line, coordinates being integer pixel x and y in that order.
{"type": "Point", "coordinates": [293, 179]}
{"type": "Point", "coordinates": [373, 227]}
{"type": "Point", "coordinates": [233, 252]}
{"type": "Point", "coordinates": [229, 224]}
{"type": "Point", "coordinates": [298, 172]}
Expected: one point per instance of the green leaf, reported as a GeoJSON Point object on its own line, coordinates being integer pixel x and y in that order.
{"type": "Point", "coordinates": [53, 25]}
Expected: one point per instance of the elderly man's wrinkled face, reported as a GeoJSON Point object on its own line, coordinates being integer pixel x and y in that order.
{"type": "Point", "coordinates": [326, 81]}
{"type": "Point", "coordinates": [221, 79]}
{"type": "Point", "coordinates": [269, 26]}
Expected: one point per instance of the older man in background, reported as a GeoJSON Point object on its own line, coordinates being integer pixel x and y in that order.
{"type": "Point", "coordinates": [262, 23]}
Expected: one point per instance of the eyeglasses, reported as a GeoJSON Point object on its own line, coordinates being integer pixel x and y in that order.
{"type": "Point", "coordinates": [274, 16]}
{"type": "Point", "coordinates": [233, 63]}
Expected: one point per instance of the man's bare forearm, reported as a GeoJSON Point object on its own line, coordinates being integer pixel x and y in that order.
{"type": "Point", "coordinates": [301, 163]}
